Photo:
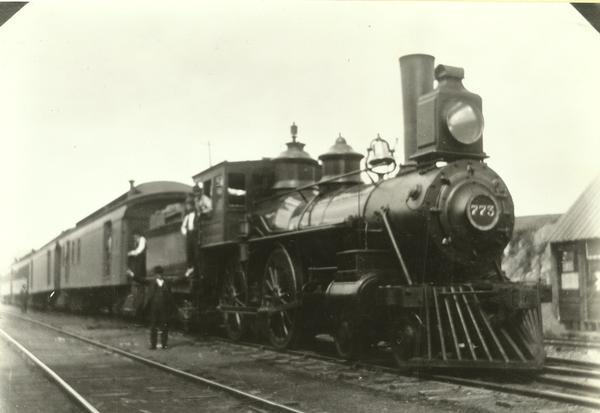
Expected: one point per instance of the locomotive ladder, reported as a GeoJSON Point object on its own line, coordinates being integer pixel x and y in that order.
{"type": "Point", "coordinates": [465, 332]}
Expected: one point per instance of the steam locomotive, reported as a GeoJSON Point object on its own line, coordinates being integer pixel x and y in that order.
{"type": "Point", "coordinates": [406, 255]}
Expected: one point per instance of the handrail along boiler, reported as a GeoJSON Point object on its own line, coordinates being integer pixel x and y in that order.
{"type": "Point", "coordinates": [412, 260]}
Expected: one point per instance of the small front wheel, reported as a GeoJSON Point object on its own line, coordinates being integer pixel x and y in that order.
{"type": "Point", "coordinates": [349, 338]}
{"type": "Point", "coordinates": [404, 342]}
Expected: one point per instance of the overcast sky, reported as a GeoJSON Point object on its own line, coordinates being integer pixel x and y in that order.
{"type": "Point", "coordinates": [96, 93]}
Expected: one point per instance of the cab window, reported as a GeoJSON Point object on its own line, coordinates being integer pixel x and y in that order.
{"type": "Point", "coordinates": [207, 187]}
{"type": "Point", "coordinates": [236, 189]}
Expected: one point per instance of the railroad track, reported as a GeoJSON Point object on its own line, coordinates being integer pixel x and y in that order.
{"type": "Point", "coordinates": [574, 374]}
{"type": "Point", "coordinates": [557, 361]}
{"type": "Point", "coordinates": [69, 391]}
{"type": "Point", "coordinates": [562, 380]}
{"type": "Point", "coordinates": [26, 388]}
{"type": "Point", "coordinates": [103, 378]}
{"type": "Point", "coordinates": [555, 386]}
{"type": "Point", "coordinates": [572, 343]}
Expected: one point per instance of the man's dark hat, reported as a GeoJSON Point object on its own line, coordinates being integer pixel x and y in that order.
{"type": "Point", "coordinates": [158, 270]}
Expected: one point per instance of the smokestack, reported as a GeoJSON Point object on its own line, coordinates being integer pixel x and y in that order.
{"type": "Point", "coordinates": [416, 71]}
{"type": "Point", "coordinates": [131, 186]}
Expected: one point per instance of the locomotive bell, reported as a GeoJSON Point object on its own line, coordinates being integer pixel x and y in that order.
{"type": "Point", "coordinates": [379, 153]}
{"type": "Point", "coordinates": [449, 120]}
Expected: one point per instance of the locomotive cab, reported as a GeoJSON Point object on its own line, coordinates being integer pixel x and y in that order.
{"type": "Point", "coordinates": [233, 188]}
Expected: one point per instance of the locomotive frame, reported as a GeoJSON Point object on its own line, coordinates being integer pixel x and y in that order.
{"type": "Point", "coordinates": [359, 293]}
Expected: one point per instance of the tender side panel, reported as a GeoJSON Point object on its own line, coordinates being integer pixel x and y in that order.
{"type": "Point", "coordinates": [167, 248]}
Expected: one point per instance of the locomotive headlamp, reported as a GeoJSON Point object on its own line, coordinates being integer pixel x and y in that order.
{"type": "Point", "coordinates": [449, 120]}
{"type": "Point", "coordinates": [465, 122]}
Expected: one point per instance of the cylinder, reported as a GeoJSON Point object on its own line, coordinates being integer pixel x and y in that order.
{"type": "Point", "coordinates": [416, 71]}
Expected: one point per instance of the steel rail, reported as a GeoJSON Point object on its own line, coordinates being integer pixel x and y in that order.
{"type": "Point", "coordinates": [523, 391]}
{"type": "Point", "coordinates": [212, 383]}
{"type": "Point", "coordinates": [65, 387]}
{"type": "Point", "coordinates": [572, 371]}
{"type": "Point", "coordinates": [583, 387]}
{"type": "Point", "coordinates": [572, 343]}
{"type": "Point", "coordinates": [573, 363]}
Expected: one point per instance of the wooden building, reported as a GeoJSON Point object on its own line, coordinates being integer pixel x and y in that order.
{"type": "Point", "coordinates": [576, 249]}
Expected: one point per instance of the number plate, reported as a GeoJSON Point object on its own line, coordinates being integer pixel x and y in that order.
{"type": "Point", "coordinates": [482, 212]}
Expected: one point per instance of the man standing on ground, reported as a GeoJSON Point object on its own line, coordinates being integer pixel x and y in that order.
{"type": "Point", "coordinates": [160, 302]}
